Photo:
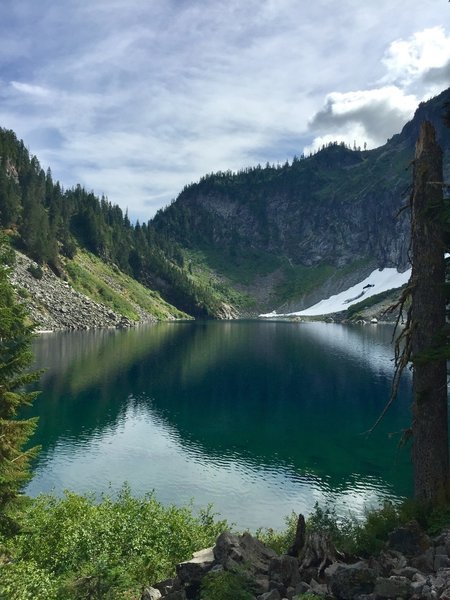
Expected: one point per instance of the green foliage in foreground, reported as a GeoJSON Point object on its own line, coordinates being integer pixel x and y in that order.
{"type": "Point", "coordinates": [227, 585]}
{"type": "Point", "coordinates": [15, 359]}
{"type": "Point", "coordinates": [75, 548]}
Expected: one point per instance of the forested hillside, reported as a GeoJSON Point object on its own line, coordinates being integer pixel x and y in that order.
{"type": "Point", "coordinates": [278, 236]}
{"type": "Point", "coordinates": [49, 224]}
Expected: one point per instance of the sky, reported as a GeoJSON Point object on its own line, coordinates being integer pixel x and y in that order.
{"type": "Point", "coordinates": [135, 99]}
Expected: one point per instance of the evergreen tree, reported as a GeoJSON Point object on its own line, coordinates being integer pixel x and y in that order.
{"type": "Point", "coordinates": [15, 358]}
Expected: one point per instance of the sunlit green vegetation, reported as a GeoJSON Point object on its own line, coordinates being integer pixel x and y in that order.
{"type": "Point", "coordinates": [74, 547]}
{"type": "Point", "coordinates": [108, 285]}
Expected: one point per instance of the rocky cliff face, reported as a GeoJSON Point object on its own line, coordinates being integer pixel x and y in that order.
{"type": "Point", "coordinates": [336, 208]}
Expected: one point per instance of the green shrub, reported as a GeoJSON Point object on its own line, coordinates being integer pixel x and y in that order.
{"type": "Point", "coordinates": [26, 581]}
{"type": "Point", "coordinates": [36, 271]}
{"type": "Point", "coordinates": [227, 585]}
{"type": "Point", "coordinates": [280, 541]}
{"type": "Point", "coordinates": [100, 549]}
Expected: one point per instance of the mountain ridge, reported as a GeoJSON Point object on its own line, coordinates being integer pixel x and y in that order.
{"type": "Point", "coordinates": [337, 213]}
{"type": "Point", "coordinates": [232, 244]}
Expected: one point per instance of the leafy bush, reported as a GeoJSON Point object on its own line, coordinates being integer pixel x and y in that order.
{"type": "Point", "coordinates": [98, 550]}
{"type": "Point", "coordinates": [26, 581]}
{"type": "Point", "coordinates": [226, 585]}
{"type": "Point", "coordinates": [36, 271]}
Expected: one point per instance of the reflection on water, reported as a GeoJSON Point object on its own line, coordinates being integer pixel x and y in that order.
{"type": "Point", "coordinates": [257, 418]}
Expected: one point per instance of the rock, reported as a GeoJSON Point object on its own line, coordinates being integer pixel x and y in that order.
{"type": "Point", "coordinates": [54, 305]}
{"type": "Point", "coordinates": [272, 595]}
{"type": "Point", "coordinates": [417, 587]}
{"type": "Point", "coordinates": [193, 571]}
{"type": "Point", "coordinates": [408, 572]}
{"type": "Point", "coordinates": [301, 588]}
{"type": "Point", "coordinates": [391, 561]}
{"type": "Point", "coordinates": [285, 570]}
{"type": "Point", "coordinates": [320, 589]}
{"type": "Point", "coordinates": [424, 562]}
{"type": "Point", "coordinates": [392, 587]}
{"type": "Point", "coordinates": [290, 591]}
{"type": "Point", "coordinates": [151, 593]}
{"type": "Point", "coordinates": [348, 581]}
{"type": "Point", "coordinates": [409, 540]}
{"type": "Point", "coordinates": [245, 552]}
{"type": "Point", "coordinates": [441, 561]}
{"type": "Point", "coordinates": [168, 585]}
{"type": "Point", "coordinates": [445, 594]}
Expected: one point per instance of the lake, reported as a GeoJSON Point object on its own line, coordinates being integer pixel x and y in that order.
{"type": "Point", "coordinates": [257, 418]}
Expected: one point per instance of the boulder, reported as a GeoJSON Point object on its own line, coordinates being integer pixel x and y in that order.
{"type": "Point", "coordinates": [232, 550]}
{"type": "Point", "coordinates": [392, 587]}
{"type": "Point", "coordinates": [349, 581]}
{"type": "Point", "coordinates": [193, 571]}
{"type": "Point", "coordinates": [424, 562]}
{"type": "Point", "coordinates": [151, 593]}
{"type": "Point", "coordinates": [272, 595]}
{"type": "Point", "coordinates": [285, 570]}
{"type": "Point", "coordinates": [409, 540]}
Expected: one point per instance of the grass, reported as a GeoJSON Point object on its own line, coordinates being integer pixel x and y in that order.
{"type": "Point", "coordinates": [222, 287]}
{"type": "Point", "coordinates": [106, 284]}
{"type": "Point", "coordinates": [299, 280]}
{"type": "Point", "coordinates": [354, 310]}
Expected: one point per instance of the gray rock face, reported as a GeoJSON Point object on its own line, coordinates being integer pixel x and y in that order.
{"type": "Point", "coordinates": [284, 570]}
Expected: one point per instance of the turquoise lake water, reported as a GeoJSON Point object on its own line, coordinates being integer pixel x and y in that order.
{"type": "Point", "coordinates": [257, 418]}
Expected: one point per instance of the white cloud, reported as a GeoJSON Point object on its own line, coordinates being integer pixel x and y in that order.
{"type": "Point", "coordinates": [144, 97]}
{"type": "Point", "coordinates": [362, 117]}
{"type": "Point", "coordinates": [417, 68]}
{"type": "Point", "coordinates": [32, 90]}
{"type": "Point", "coordinates": [409, 60]}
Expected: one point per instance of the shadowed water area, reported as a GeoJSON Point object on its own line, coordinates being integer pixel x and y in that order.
{"type": "Point", "coordinates": [257, 418]}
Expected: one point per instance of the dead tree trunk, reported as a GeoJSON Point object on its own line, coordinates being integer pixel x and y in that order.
{"type": "Point", "coordinates": [430, 424]}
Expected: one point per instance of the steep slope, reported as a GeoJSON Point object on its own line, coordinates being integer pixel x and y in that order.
{"type": "Point", "coordinates": [290, 235]}
{"type": "Point", "coordinates": [95, 295]}
{"type": "Point", "coordinates": [50, 225]}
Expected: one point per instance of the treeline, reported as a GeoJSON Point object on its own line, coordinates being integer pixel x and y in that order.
{"type": "Point", "coordinates": [48, 222]}
{"type": "Point", "coordinates": [253, 189]}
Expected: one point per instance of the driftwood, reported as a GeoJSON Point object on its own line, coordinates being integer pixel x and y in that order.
{"type": "Point", "coordinates": [318, 551]}
{"type": "Point", "coordinates": [313, 548]}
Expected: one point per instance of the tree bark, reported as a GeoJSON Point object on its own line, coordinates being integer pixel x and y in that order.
{"type": "Point", "coordinates": [430, 420]}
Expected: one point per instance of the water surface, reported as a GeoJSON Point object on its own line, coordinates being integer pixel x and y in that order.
{"type": "Point", "coordinates": [257, 418]}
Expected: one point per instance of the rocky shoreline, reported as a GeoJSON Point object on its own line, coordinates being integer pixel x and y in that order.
{"type": "Point", "coordinates": [412, 566]}
{"type": "Point", "coordinates": [54, 305]}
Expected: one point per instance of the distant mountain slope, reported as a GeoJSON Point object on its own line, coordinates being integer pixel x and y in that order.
{"type": "Point", "coordinates": [290, 235]}
{"type": "Point", "coordinates": [51, 225]}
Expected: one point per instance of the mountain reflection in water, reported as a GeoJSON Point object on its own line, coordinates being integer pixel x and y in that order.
{"type": "Point", "coordinates": [258, 418]}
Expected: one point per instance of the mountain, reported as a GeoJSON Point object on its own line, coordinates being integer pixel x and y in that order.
{"type": "Point", "coordinates": [54, 227]}
{"type": "Point", "coordinates": [288, 235]}
{"type": "Point", "coordinates": [233, 244]}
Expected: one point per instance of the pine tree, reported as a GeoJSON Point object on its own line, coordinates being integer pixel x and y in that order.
{"type": "Point", "coordinates": [15, 358]}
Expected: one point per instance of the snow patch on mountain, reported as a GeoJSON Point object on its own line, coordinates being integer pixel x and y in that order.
{"type": "Point", "coordinates": [380, 280]}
